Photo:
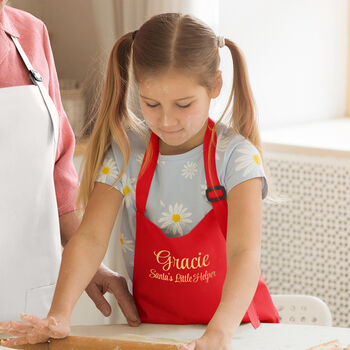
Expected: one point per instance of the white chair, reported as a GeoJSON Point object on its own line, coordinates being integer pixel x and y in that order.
{"type": "Point", "coordinates": [302, 309]}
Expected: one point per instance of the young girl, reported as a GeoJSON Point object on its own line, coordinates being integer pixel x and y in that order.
{"type": "Point", "coordinates": [192, 190]}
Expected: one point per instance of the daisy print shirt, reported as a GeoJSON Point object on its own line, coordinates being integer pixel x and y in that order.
{"type": "Point", "coordinates": [177, 200]}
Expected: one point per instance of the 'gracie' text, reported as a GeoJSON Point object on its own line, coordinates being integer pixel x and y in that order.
{"type": "Point", "coordinates": [164, 258]}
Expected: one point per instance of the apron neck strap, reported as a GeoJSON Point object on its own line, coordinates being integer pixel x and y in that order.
{"type": "Point", "coordinates": [34, 75]}
{"type": "Point", "coordinates": [144, 180]}
{"type": "Point", "coordinates": [37, 80]}
{"type": "Point", "coordinates": [215, 193]}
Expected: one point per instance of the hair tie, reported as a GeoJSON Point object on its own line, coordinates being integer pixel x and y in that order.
{"type": "Point", "coordinates": [220, 41]}
{"type": "Point", "coordinates": [134, 34]}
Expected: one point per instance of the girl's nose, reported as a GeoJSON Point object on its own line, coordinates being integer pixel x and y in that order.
{"type": "Point", "coordinates": [168, 120]}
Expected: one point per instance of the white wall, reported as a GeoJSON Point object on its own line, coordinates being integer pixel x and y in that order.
{"type": "Point", "coordinates": [73, 33]}
{"type": "Point", "coordinates": [296, 53]}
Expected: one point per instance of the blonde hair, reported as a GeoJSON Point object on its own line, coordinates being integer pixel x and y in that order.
{"type": "Point", "coordinates": [166, 41]}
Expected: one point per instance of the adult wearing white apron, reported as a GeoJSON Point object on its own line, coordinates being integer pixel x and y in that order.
{"type": "Point", "coordinates": [30, 237]}
{"type": "Point", "coordinates": [31, 230]}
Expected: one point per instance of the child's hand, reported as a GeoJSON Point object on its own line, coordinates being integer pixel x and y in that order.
{"type": "Point", "coordinates": [210, 340]}
{"type": "Point", "coordinates": [34, 330]}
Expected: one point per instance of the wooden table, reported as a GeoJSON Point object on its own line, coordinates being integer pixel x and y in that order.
{"type": "Point", "coordinates": [167, 337]}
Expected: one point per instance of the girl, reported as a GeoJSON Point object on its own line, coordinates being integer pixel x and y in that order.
{"type": "Point", "coordinates": [192, 191]}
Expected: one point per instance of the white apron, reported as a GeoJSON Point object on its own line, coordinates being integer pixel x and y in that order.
{"type": "Point", "coordinates": [30, 247]}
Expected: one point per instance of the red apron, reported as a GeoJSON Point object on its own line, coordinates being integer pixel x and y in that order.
{"type": "Point", "coordinates": [179, 280]}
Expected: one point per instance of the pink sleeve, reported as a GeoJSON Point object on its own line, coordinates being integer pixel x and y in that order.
{"type": "Point", "coordinates": [65, 176]}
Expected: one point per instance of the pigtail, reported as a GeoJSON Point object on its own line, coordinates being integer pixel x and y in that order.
{"type": "Point", "coordinates": [243, 119]}
{"type": "Point", "coordinates": [112, 118]}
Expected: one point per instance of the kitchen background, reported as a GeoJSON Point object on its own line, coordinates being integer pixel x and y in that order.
{"type": "Point", "coordinates": [297, 54]}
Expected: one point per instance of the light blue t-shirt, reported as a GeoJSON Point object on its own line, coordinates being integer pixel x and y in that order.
{"type": "Point", "coordinates": [177, 200]}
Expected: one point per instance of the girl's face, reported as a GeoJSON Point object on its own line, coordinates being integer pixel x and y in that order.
{"type": "Point", "coordinates": [175, 107]}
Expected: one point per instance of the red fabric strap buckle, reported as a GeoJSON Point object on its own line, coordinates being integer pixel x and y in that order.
{"type": "Point", "coordinates": [214, 188]}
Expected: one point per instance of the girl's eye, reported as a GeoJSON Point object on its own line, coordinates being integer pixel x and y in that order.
{"type": "Point", "coordinates": [184, 106]}
{"type": "Point", "coordinates": [152, 106]}
{"type": "Point", "coordinates": [156, 105]}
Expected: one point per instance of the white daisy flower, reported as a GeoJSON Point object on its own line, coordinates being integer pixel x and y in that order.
{"type": "Point", "coordinates": [247, 161]}
{"type": "Point", "coordinates": [108, 168]}
{"type": "Point", "coordinates": [128, 189]}
{"type": "Point", "coordinates": [189, 170]}
{"type": "Point", "coordinates": [127, 244]}
{"type": "Point", "coordinates": [175, 218]}
{"type": "Point", "coordinates": [221, 144]}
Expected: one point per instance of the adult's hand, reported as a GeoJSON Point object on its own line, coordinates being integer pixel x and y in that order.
{"type": "Point", "coordinates": [106, 280]}
{"type": "Point", "coordinates": [32, 329]}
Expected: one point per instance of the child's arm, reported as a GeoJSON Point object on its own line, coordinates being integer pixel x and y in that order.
{"type": "Point", "coordinates": [243, 271]}
{"type": "Point", "coordinates": [85, 250]}
{"type": "Point", "coordinates": [243, 255]}
{"type": "Point", "coordinates": [80, 260]}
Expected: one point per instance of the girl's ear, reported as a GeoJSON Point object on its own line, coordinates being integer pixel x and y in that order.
{"type": "Point", "coordinates": [215, 91]}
